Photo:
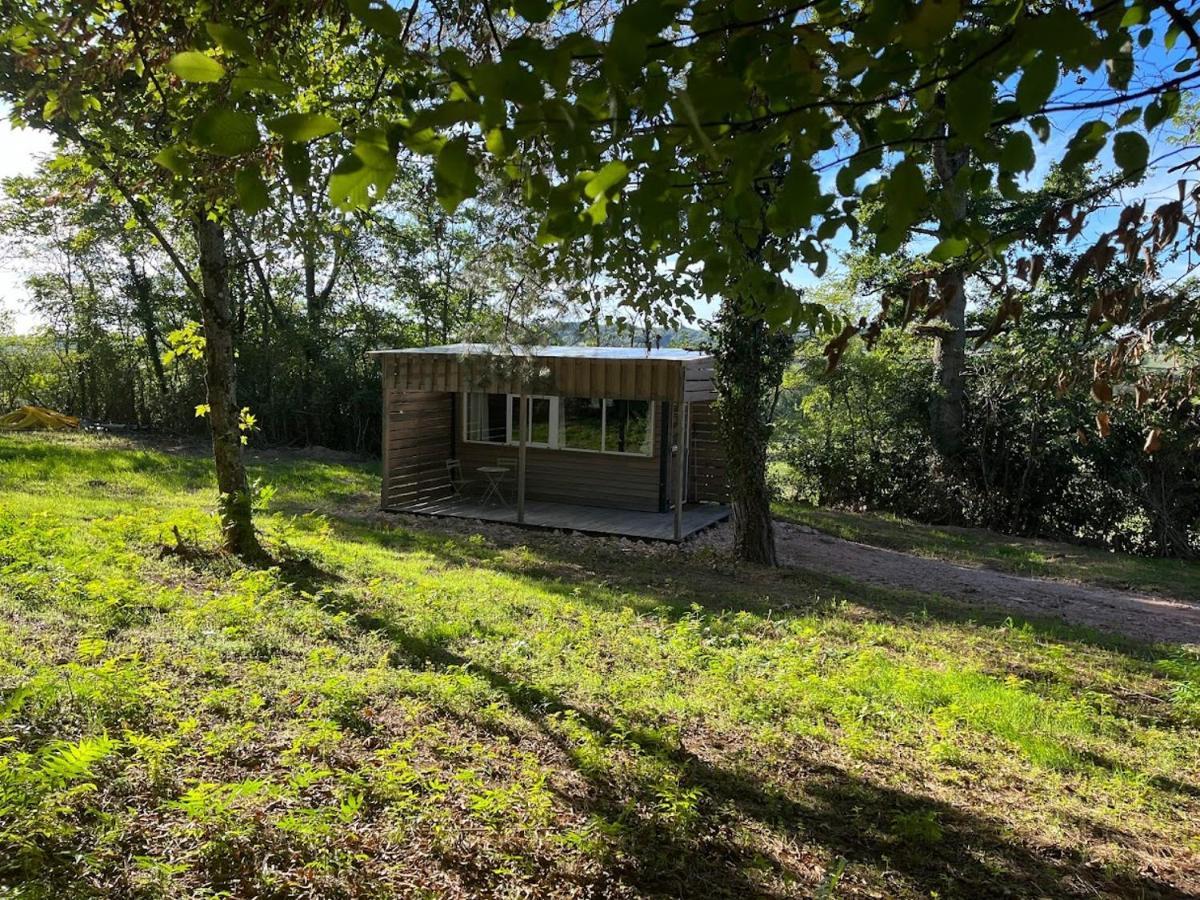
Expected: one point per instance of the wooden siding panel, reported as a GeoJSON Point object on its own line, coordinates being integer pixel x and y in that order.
{"type": "Point", "coordinates": [706, 458]}
{"type": "Point", "coordinates": [624, 379]}
{"type": "Point", "coordinates": [567, 476]}
{"type": "Point", "coordinates": [417, 443]}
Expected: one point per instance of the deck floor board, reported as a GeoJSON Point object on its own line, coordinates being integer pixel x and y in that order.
{"type": "Point", "coordinates": [577, 517]}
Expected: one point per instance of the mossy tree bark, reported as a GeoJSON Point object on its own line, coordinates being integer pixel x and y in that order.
{"type": "Point", "coordinates": [750, 361]}
{"type": "Point", "coordinates": [220, 377]}
{"type": "Point", "coordinates": [946, 413]}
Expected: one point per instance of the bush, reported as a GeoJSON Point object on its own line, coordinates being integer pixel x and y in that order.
{"type": "Point", "coordinates": [1033, 463]}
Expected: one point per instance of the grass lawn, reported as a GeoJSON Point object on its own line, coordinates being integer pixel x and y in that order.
{"type": "Point", "coordinates": [416, 711]}
{"type": "Point", "coordinates": [1005, 553]}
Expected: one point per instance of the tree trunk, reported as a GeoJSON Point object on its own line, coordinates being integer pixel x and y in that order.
{"type": "Point", "coordinates": [946, 411]}
{"type": "Point", "coordinates": [750, 362]}
{"type": "Point", "coordinates": [950, 347]}
{"type": "Point", "coordinates": [221, 380]}
{"type": "Point", "coordinates": [144, 311]}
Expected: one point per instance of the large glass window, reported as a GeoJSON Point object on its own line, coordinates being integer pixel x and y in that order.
{"type": "Point", "coordinates": [571, 423]}
{"type": "Point", "coordinates": [487, 418]}
{"type": "Point", "coordinates": [609, 426]}
{"type": "Point", "coordinates": [582, 421]}
{"type": "Point", "coordinates": [627, 426]}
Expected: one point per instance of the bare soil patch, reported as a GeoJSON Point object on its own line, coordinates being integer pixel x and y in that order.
{"type": "Point", "coordinates": [1135, 614]}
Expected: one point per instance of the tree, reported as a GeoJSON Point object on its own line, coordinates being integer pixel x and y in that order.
{"type": "Point", "coordinates": [110, 87]}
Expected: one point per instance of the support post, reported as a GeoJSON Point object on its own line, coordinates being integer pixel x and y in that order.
{"type": "Point", "coordinates": [523, 424]}
{"type": "Point", "coordinates": [389, 385]}
{"type": "Point", "coordinates": [680, 465]}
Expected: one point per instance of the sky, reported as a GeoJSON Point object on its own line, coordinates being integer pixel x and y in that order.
{"type": "Point", "coordinates": [19, 152]}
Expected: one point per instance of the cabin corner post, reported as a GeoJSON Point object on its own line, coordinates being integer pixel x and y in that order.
{"type": "Point", "coordinates": [680, 459]}
{"type": "Point", "coordinates": [523, 425]}
{"type": "Point", "coordinates": [386, 464]}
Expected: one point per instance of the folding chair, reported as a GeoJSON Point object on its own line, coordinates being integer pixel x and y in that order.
{"type": "Point", "coordinates": [458, 482]}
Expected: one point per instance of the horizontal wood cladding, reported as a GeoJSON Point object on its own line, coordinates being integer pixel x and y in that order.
{"type": "Point", "coordinates": [622, 379]}
{"type": "Point", "coordinates": [571, 476]}
{"type": "Point", "coordinates": [416, 444]}
{"type": "Point", "coordinates": [706, 457]}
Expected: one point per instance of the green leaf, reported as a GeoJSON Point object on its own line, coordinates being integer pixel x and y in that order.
{"type": "Point", "coordinates": [597, 213]}
{"type": "Point", "coordinates": [905, 193]}
{"type": "Point", "coordinates": [253, 193]}
{"type": "Point", "coordinates": [608, 177]}
{"type": "Point", "coordinates": [381, 18]}
{"type": "Point", "coordinates": [626, 51]}
{"type": "Point", "coordinates": [301, 128]}
{"type": "Point", "coordinates": [225, 131]}
{"type": "Point", "coordinates": [424, 141]}
{"type": "Point", "coordinates": [949, 248]}
{"type": "Point", "coordinates": [497, 143]}
{"type": "Point", "coordinates": [1038, 81]}
{"type": "Point", "coordinates": [297, 165]}
{"type": "Point", "coordinates": [1040, 125]}
{"type": "Point", "coordinates": [175, 159]}
{"type": "Point", "coordinates": [454, 174]}
{"type": "Point", "coordinates": [1017, 155]}
{"type": "Point", "coordinates": [1135, 15]}
{"type": "Point", "coordinates": [1086, 143]}
{"type": "Point", "coordinates": [1161, 108]}
{"type": "Point", "coordinates": [930, 23]}
{"type": "Point", "coordinates": [798, 200]}
{"type": "Point", "coordinates": [532, 10]}
{"type": "Point", "coordinates": [846, 178]}
{"type": "Point", "coordinates": [969, 108]}
{"type": "Point", "coordinates": [364, 176]}
{"type": "Point", "coordinates": [259, 78]}
{"type": "Point", "coordinates": [1131, 152]}
{"type": "Point", "coordinates": [1128, 117]}
{"type": "Point", "coordinates": [230, 40]}
{"type": "Point", "coordinates": [192, 65]}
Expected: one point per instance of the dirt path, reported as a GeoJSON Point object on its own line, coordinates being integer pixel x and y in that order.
{"type": "Point", "coordinates": [1135, 614]}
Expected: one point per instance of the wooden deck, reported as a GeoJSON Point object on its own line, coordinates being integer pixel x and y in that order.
{"type": "Point", "coordinates": [571, 517]}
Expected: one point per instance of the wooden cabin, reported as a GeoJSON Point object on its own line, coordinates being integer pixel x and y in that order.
{"type": "Point", "coordinates": [609, 440]}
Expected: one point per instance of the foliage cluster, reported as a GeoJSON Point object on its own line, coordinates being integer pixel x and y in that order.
{"type": "Point", "coordinates": [1033, 463]}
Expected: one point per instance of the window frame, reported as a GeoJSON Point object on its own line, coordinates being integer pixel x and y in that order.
{"type": "Point", "coordinates": [464, 405]}
{"type": "Point", "coordinates": [514, 426]}
{"type": "Point", "coordinates": [511, 427]}
{"type": "Point", "coordinates": [650, 414]}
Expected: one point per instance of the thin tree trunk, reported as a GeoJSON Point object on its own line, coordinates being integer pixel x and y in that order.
{"type": "Point", "coordinates": [221, 380]}
{"type": "Point", "coordinates": [950, 347]}
{"type": "Point", "coordinates": [145, 316]}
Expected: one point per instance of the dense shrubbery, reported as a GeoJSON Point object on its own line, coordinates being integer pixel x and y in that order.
{"type": "Point", "coordinates": [1034, 464]}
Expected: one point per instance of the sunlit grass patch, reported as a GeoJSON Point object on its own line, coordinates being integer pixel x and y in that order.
{"type": "Point", "coordinates": [424, 710]}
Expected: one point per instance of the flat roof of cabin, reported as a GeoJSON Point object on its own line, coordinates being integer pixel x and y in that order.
{"type": "Point", "coordinates": [666, 354]}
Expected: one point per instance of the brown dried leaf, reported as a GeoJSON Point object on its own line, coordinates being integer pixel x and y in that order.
{"type": "Point", "coordinates": [1035, 273]}
{"type": "Point", "coordinates": [835, 348]}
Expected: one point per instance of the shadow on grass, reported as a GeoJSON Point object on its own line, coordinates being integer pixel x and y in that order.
{"type": "Point", "coordinates": [672, 584]}
{"type": "Point", "coordinates": [753, 834]}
